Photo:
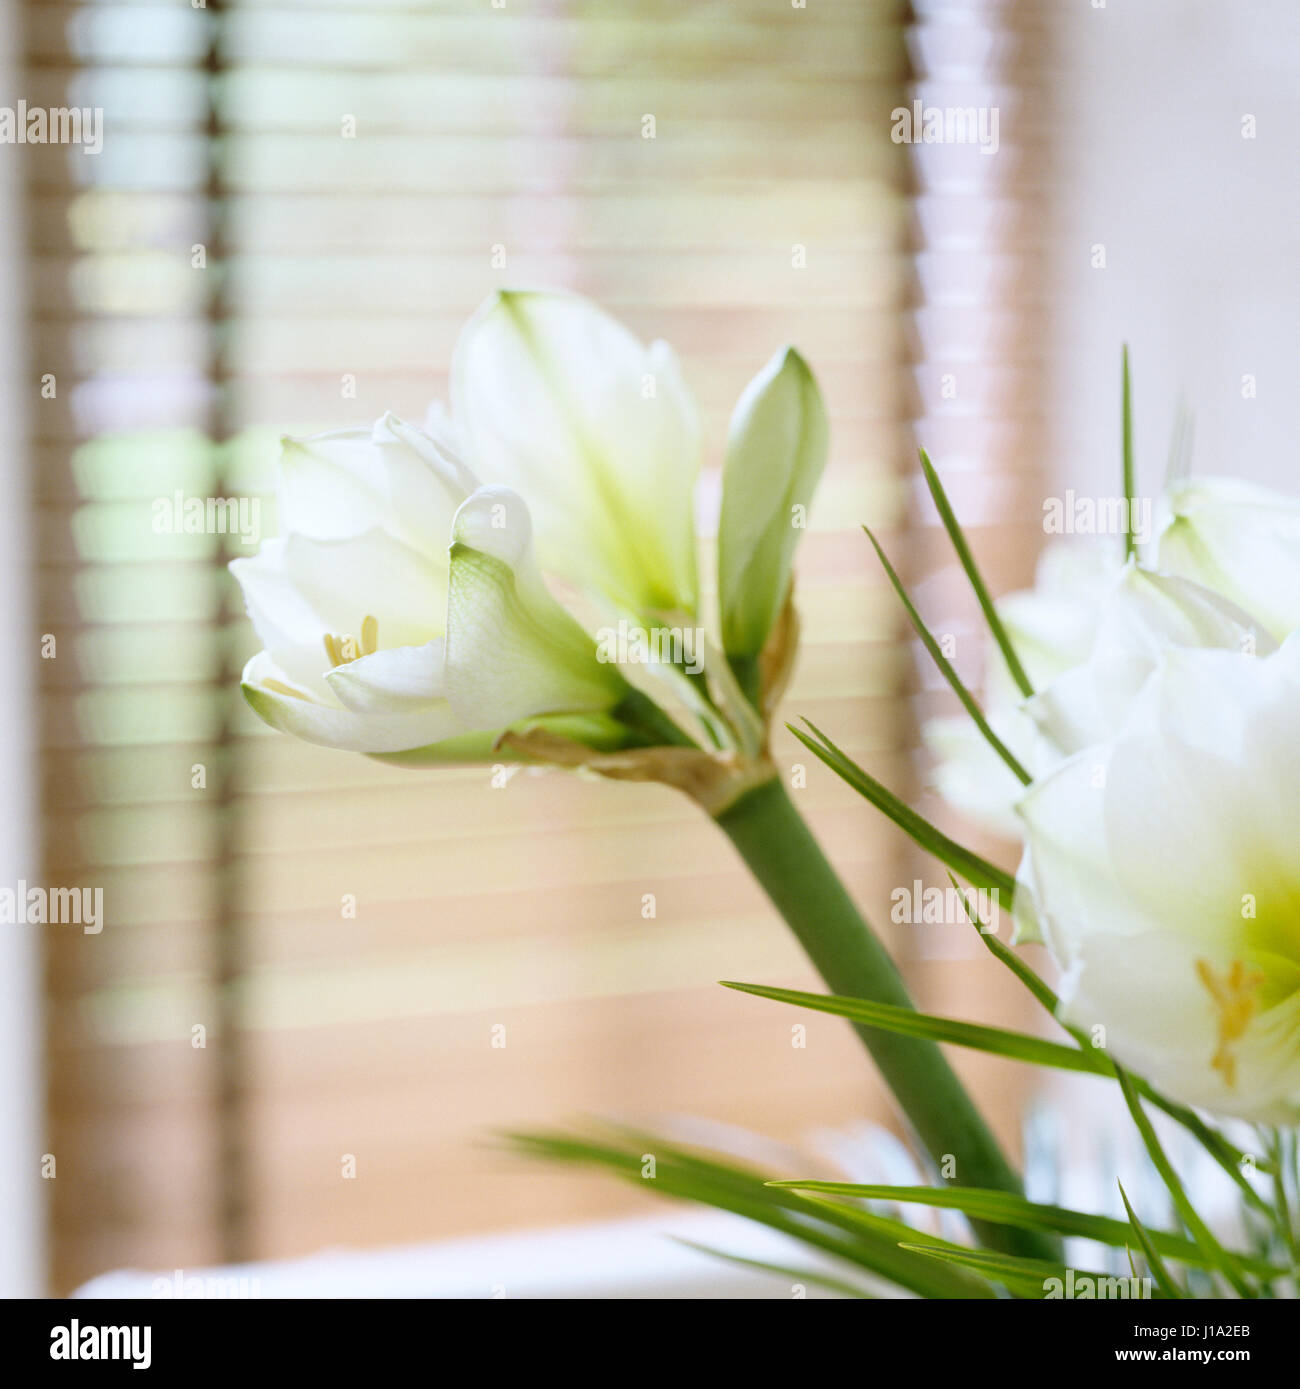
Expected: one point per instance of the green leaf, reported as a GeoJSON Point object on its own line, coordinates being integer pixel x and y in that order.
{"type": "Point", "coordinates": [1218, 1256]}
{"type": "Point", "coordinates": [947, 671]}
{"type": "Point", "coordinates": [826, 1226]}
{"type": "Point", "coordinates": [1156, 1264]}
{"type": "Point", "coordinates": [1284, 1161]}
{"type": "Point", "coordinates": [970, 865]}
{"type": "Point", "coordinates": [1029, 977]}
{"type": "Point", "coordinates": [1021, 1277]}
{"type": "Point", "coordinates": [1214, 1143]}
{"type": "Point", "coordinates": [798, 1275]}
{"type": "Point", "coordinates": [787, 861]}
{"type": "Point", "coordinates": [1017, 1046]}
{"type": "Point", "coordinates": [1001, 1207]}
{"type": "Point", "coordinates": [949, 519]}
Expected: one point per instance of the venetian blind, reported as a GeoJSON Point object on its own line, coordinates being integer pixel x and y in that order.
{"type": "Point", "coordinates": [978, 321]}
{"type": "Point", "coordinates": [295, 208]}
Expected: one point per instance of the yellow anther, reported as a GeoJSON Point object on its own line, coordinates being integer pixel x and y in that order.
{"type": "Point", "coordinates": [1236, 1000]}
{"type": "Point", "coordinates": [344, 650]}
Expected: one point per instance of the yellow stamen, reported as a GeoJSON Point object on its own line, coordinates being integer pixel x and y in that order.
{"type": "Point", "coordinates": [343, 651]}
{"type": "Point", "coordinates": [1236, 998]}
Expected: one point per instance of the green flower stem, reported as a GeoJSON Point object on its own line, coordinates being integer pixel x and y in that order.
{"type": "Point", "coordinates": [772, 838]}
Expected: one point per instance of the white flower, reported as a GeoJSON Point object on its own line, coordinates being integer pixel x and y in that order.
{"type": "Point", "coordinates": [406, 611]}
{"type": "Point", "coordinates": [1052, 627]}
{"type": "Point", "coordinates": [351, 606]}
{"type": "Point", "coordinates": [1089, 634]}
{"type": "Point", "coordinates": [775, 456]}
{"type": "Point", "coordinates": [1240, 540]}
{"type": "Point", "coordinates": [598, 432]}
{"type": "Point", "coordinates": [1162, 869]}
{"type": "Point", "coordinates": [1139, 618]}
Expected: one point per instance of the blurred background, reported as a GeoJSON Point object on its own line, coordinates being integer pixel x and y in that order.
{"type": "Point", "coordinates": [295, 208]}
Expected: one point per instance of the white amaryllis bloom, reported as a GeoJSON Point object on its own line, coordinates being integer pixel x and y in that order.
{"type": "Point", "coordinates": [1242, 541]}
{"type": "Point", "coordinates": [558, 400]}
{"type": "Point", "coordinates": [351, 606]}
{"type": "Point", "coordinates": [404, 612]}
{"type": "Point", "coordinates": [1140, 617]}
{"type": "Point", "coordinates": [1088, 633]}
{"type": "Point", "coordinates": [1052, 627]}
{"type": "Point", "coordinates": [1161, 866]}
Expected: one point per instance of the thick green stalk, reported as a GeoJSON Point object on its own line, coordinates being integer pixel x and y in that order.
{"type": "Point", "coordinates": [780, 851]}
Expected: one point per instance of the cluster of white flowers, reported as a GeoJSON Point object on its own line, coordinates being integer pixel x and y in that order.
{"type": "Point", "coordinates": [405, 610]}
{"type": "Point", "coordinates": [1161, 829]}
{"type": "Point", "coordinates": [409, 611]}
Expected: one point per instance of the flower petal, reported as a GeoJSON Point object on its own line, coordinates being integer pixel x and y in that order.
{"type": "Point", "coordinates": [1142, 618]}
{"type": "Point", "coordinates": [1161, 866]}
{"type": "Point", "coordinates": [512, 651]}
{"type": "Point", "coordinates": [299, 590]}
{"type": "Point", "coordinates": [405, 679]}
{"type": "Point", "coordinates": [333, 727]}
{"type": "Point", "coordinates": [1242, 541]}
{"type": "Point", "coordinates": [971, 777]}
{"type": "Point", "coordinates": [775, 456]}
{"type": "Point", "coordinates": [560, 401]}
{"type": "Point", "coordinates": [391, 477]}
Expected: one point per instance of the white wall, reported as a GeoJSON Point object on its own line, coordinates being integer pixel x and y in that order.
{"type": "Point", "coordinates": [1201, 229]}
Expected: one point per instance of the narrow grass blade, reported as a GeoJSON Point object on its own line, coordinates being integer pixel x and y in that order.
{"type": "Point", "coordinates": [1030, 978]}
{"type": "Point", "coordinates": [1229, 1158]}
{"type": "Point", "coordinates": [1219, 1257]}
{"type": "Point", "coordinates": [725, 1186]}
{"type": "Point", "coordinates": [1001, 1207]}
{"type": "Point", "coordinates": [1154, 1262]}
{"type": "Point", "coordinates": [970, 865]}
{"type": "Point", "coordinates": [1283, 1163]}
{"type": "Point", "coordinates": [949, 519]}
{"type": "Point", "coordinates": [1016, 1046]}
{"type": "Point", "coordinates": [946, 668]}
